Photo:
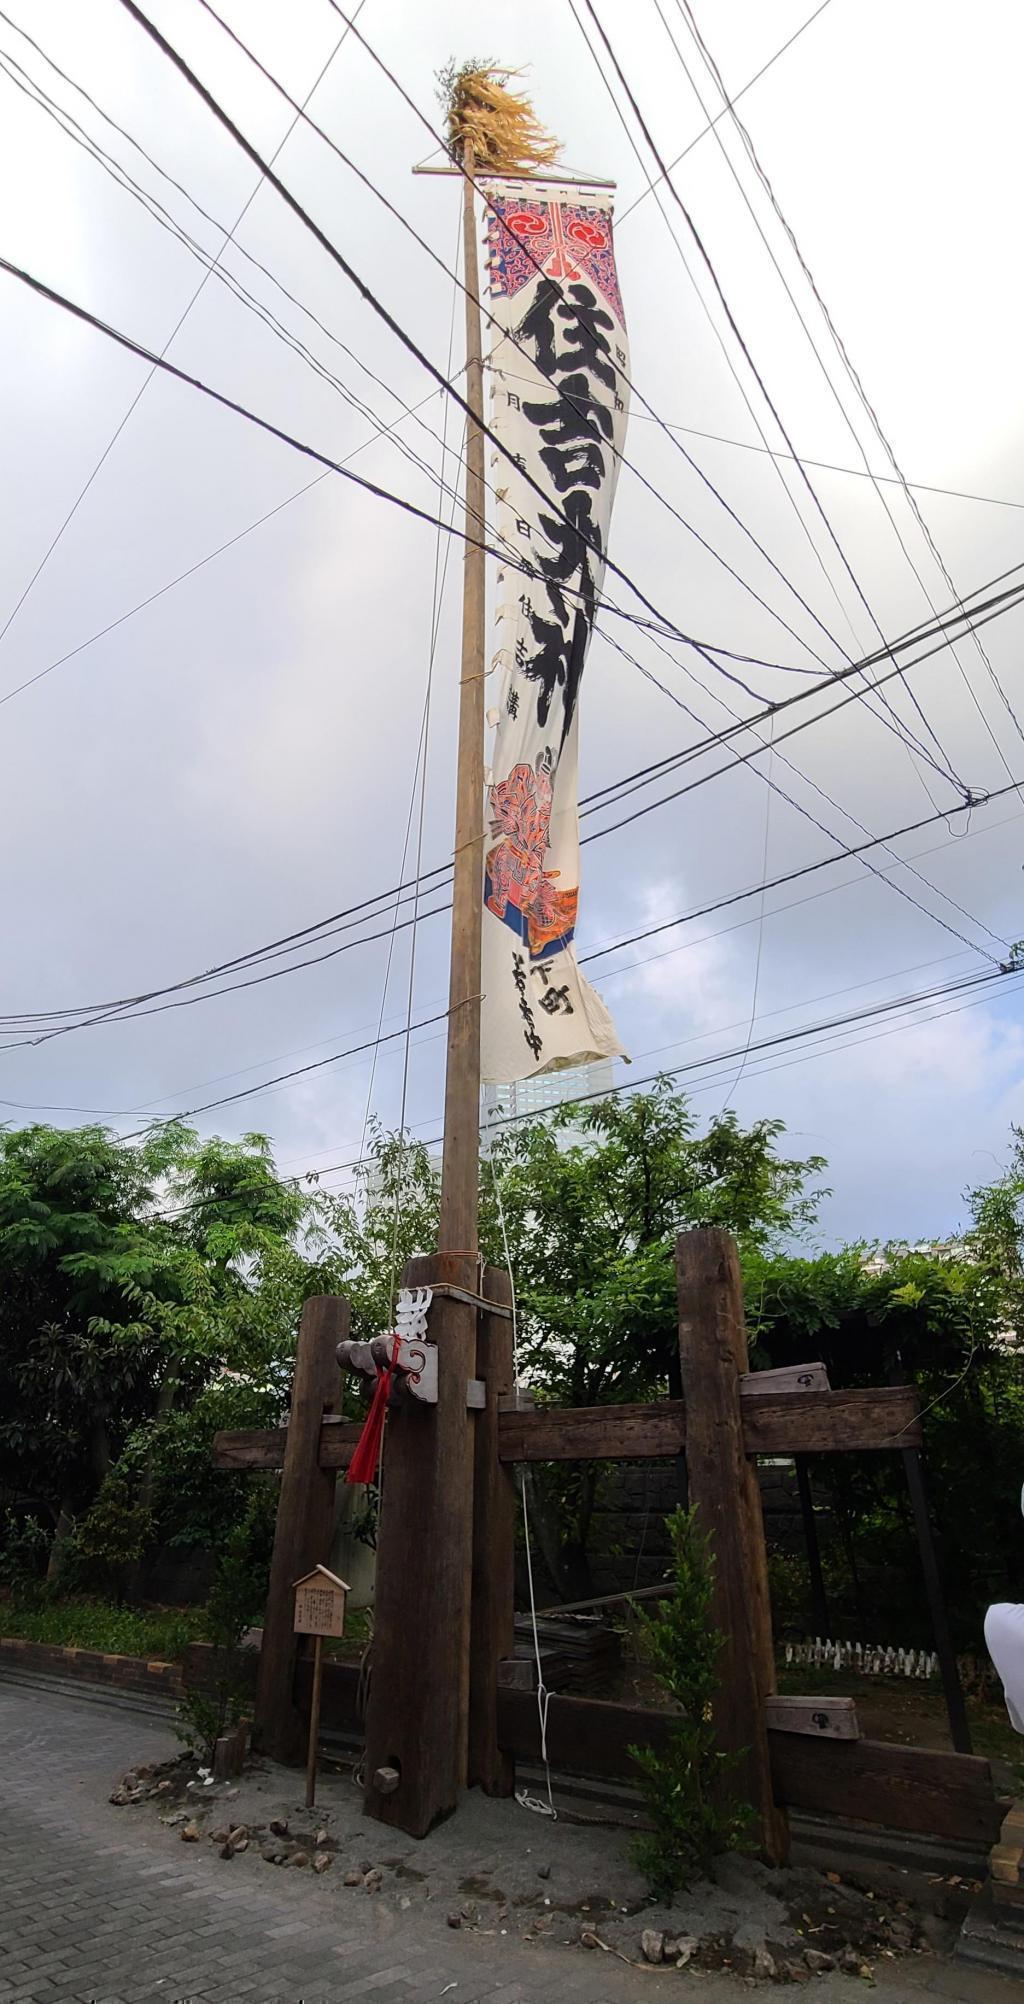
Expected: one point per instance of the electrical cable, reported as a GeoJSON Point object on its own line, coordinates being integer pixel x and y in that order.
{"type": "Point", "coordinates": [377, 305]}
{"type": "Point", "coordinates": [742, 92]}
{"type": "Point", "coordinates": [176, 329]}
{"type": "Point", "coordinates": [686, 12]}
{"type": "Point", "coordinates": [525, 250]}
{"type": "Point", "coordinates": [849, 1019]}
{"type": "Point", "coordinates": [118, 1010]}
{"type": "Point", "coordinates": [890, 717]}
{"type": "Point", "coordinates": [699, 242]}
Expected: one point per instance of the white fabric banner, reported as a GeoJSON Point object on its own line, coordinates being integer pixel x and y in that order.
{"type": "Point", "coordinates": [558, 403]}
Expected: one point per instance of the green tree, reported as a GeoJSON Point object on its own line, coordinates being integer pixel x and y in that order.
{"type": "Point", "coordinates": [686, 1787]}
{"type": "Point", "coordinates": [936, 1319]}
{"type": "Point", "coordinates": [593, 1200]}
{"type": "Point", "coordinates": [131, 1275]}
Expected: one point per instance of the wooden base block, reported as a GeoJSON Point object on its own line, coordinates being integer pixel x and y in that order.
{"type": "Point", "coordinates": [417, 1714]}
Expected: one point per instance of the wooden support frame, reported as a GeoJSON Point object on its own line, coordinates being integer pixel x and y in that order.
{"type": "Point", "coordinates": [305, 1521]}
{"type": "Point", "coordinates": [418, 1709]}
{"type": "Point", "coordinates": [724, 1491]}
{"type": "Point", "coordinates": [492, 1625]}
{"type": "Point", "coordinates": [899, 1788]}
{"type": "Point", "coordinates": [440, 1713]}
{"type": "Point", "coordinates": [872, 1421]}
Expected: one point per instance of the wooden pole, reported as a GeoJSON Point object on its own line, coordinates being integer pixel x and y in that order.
{"type": "Point", "coordinates": [314, 1720]}
{"type": "Point", "coordinates": [725, 1493]}
{"type": "Point", "coordinates": [492, 1623]}
{"type": "Point", "coordinates": [461, 1156]}
{"type": "Point", "coordinates": [417, 1711]}
{"type": "Point", "coordinates": [819, 1601]}
{"type": "Point", "coordinates": [305, 1521]}
{"type": "Point", "coordinates": [956, 1710]}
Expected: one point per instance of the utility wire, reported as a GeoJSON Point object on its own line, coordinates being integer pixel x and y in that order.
{"type": "Point", "coordinates": [887, 713]}
{"type": "Point", "coordinates": [605, 797]}
{"type": "Point", "coordinates": [175, 330]}
{"type": "Point", "coordinates": [376, 305]}
{"type": "Point", "coordinates": [686, 12]}
{"type": "Point", "coordinates": [855, 851]}
{"type": "Point", "coordinates": [850, 1018]}
{"type": "Point", "coordinates": [712, 123]}
{"type": "Point", "coordinates": [247, 299]}
{"type": "Point", "coordinates": [702, 249]}
{"type": "Point", "coordinates": [578, 311]}
{"type": "Point", "coordinates": [525, 250]}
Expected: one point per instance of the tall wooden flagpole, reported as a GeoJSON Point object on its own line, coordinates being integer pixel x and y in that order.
{"type": "Point", "coordinates": [417, 1725]}
{"type": "Point", "coordinates": [461, 1157]}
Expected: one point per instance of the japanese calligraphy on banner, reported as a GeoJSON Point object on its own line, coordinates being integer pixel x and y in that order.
{"type": "Point", "coordinates": [558, 403]}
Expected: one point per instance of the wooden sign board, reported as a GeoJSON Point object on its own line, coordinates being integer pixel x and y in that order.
{"type": "Point", "coordinates": [320, 1603]}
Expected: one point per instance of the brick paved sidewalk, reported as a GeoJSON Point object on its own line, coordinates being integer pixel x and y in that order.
{"type": "Point", "coordinates": [104, 1904]}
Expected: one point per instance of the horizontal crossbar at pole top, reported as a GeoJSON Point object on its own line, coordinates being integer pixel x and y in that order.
{"type": "Point", "coordinates": [874, 1420]}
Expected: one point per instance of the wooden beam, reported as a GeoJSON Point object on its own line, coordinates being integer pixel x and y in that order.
{"type": "Point", "coordinates": [858, 1421]}
{"type": "Point", "coordinates": [820, 1718]}
{"type": "Point", "coordinates": [873, 1420]}
{"type": "Point", "coordinates": [725, 1493]}
{"type": "Point", "coordinates": [900, 1788]}
{"type": "Point", "coordinates": [584, 1433]}
{"type": "Point", "coordinates": [418, 1708]}
{"type": "Point", "coordinates": [264, 1448]}
{"type": "Point", "coordinates": [305, 1521]}
{"type": "Point", "coordinates": [492, 1623]}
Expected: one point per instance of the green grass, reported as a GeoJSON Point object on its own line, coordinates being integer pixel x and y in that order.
{"type": "Point", "coordinates": [162, 1633]}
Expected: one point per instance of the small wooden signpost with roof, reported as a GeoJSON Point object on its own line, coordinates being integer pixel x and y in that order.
{"type": "Point", "coordinates": [319, 1611]}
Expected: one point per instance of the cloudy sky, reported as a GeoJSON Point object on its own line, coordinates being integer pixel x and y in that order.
{"type": "Point", "coordinates": [234, 760]}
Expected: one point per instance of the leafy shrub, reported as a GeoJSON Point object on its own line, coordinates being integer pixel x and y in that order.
{"type": "Point", "coordinates": [686, 1787]}
{"type": "Point", "coordinates": [236, 1601]}
{"type": "Point", "coordinates": [23, 1548]}
{"type": "Point", "coordinates": [113, 1536]}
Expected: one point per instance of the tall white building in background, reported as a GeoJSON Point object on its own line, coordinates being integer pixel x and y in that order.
{"type": "Point", "coordinates": [526, 1097]}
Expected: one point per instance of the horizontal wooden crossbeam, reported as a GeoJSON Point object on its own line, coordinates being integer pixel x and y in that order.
{"type": "Point", "coordinates": [901, 1788]}
{"type": "Point", "coordinates": [811, 1422]}
{"type": "Point", "coordinates": [776, 1423]}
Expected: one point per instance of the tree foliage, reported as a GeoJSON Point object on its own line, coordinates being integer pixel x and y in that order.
{"type": "Point", "coordinates": [133, 1275]}
{"type": "Point", "coordinates": [687, 1788]}
{"type": "Point", "coordinates": [938, 1320]}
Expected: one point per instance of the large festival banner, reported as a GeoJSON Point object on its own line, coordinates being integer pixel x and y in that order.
{"type": "Point", "coordinates": [558, 372]}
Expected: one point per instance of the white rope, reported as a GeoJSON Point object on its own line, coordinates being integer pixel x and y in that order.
{"type": "Point", "coordinates": [523, 1796]}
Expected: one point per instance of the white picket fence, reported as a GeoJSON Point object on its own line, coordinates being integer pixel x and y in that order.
{"type": "Point", "coordinates": [866, 1659]}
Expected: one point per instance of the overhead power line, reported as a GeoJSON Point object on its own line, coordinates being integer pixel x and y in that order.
{"type": "Point", "coordinates": [686, 13]}
{"type": "Point", "coordinates": [580, 313]}
{"type": "Point", "coordinates": [852, 852]}
{"type": "Point", "coordinates": [737, 334]}
{"type": "Point", "coordinates": [607, 796]}
{"type": "Point", "coordinates": [228, 237]}
{"type": "Point", "coordinates": [377, 306]}
{"type": "Point", "coordinates": [712, 123]}
{"type": "Point", "coordinates": [872, 1012]}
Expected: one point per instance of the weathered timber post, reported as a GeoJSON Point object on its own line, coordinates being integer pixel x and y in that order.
{"type": "Point", "coordinates": [305, 1522]}
{"type": "Point", "coordinates": [418, 1712]}
{"type": "Point", "coordinates": [819, 1600]}
{"type": "Point", "coordinates": [492, 1624]}
{"type": "Point", "coordinates": [418, 1702]}
{"type": "Point", "coordinates": [724, 1490]}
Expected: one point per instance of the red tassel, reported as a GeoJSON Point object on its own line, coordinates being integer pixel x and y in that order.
{"type": "Point", "coordinates": [366, 1459]}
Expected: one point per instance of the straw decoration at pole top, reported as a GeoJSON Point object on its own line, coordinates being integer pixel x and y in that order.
{"type": "Point", "coordinates": [497, 125]}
